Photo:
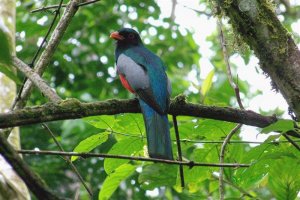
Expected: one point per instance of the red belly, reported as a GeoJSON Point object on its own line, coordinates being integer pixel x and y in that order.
{"type": "Point", "coordinates": [126, 84]}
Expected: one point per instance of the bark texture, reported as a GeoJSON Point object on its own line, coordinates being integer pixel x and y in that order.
{"type": "Point", "coordinates": [72, 109]}
{"type": "Point", "coordinates": [11, 185]}
{"type": "Point", "coordinates": [258, 25]}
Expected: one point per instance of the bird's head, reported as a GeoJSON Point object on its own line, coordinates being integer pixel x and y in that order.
{"type": "Point", "coordinates": [126, 37]}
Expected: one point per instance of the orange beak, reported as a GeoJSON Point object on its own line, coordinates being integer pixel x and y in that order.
{"type": "Point", "coordinates": [116, 36]}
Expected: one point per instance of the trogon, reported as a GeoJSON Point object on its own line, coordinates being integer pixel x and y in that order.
{"type": "Point", "coordinates": [143, 73]}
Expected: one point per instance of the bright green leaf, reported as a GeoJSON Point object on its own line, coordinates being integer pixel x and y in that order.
{"type": "Point", "coordinates": [102, 122]}
{"type": "Point", "coordinates": [9, 73]}
{"type": "Point", "coordinates": [5, 53]}
{"type": "Point", "coordinates": [5, 58]}
{"type": "Point", "coordinates": [130, 124]}
{"type": "Point", "coordinates": [282, 125]}
{"type": "Point", "coordinates": [114, 179]}
{"type": "Point", "coordinates": [127, 146]}
{"type": "Point", "coordinates": [156, 175]}
{"type": "Point", "coordinates": [206, 85]}
{"type": "Point", "coordinates": [90, 143]}
{"type": "Point", "coordinates": [284, 178]}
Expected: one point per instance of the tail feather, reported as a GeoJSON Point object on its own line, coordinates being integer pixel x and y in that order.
{"type": "Point", "coordinates": [158, 133]}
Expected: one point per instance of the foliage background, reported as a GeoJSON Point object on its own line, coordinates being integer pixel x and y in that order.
{"type": "Point", "coordinates": [83, 68]}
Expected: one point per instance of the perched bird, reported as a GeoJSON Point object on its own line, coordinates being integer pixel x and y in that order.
{"type": "Point", "coordinates": [143, 73]}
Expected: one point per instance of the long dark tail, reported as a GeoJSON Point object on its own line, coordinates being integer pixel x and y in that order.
{"type": "Point", "coordinates": [158, 133]}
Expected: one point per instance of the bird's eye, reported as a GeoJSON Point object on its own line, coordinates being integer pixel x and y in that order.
{"type": "Point", "coordinates": [131, 36]}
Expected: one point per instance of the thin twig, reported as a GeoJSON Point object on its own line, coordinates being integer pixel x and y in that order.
{"type": "Point", "coordinates": [49, 50]}
{"type": "Point", "coordinates": [222, 155]}
{"type": "Point", "coordinates": [124, 157]}
{"type": "Point", "coordinates": [68, 159]}
{"type": "Point", "coordinates": [203, 141]}
{"type": "Point", "coordinates": [63, 5]}
{"type": "Point", "coordinates": [37, 80]}
{"type": "Point", "coordinates": [179, 150]}
{"type": "Point", "coordinates": [199, 11]}
{"type": "Point", "coordinates": [87, 3]}
{"type": "Point", "coordinates": [236, 142]}
{"type": "Point", "coordinates": [291, 141]}
{"type": "Point", "coordinates": [244, 192]}
{"type": "Point", "coordinates": [174, 4]}
{"type": "Point", "coordinates": [237, 94]}
{"type": "Point", "coordinates": [32, 180]}
{"type": "Point", "coordinates": [228, 67]}
{"type": "Point", "coordinates": [47, 8]}
{"type": "Point", "coordinates": [18, 97]}
{"type": "Point", "coordinates": [57, 12]}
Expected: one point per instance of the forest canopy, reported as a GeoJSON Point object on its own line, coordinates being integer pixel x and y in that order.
{"type": "Point", "coordinates": [235, 98]}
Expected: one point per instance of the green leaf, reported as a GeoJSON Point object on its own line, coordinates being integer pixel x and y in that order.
{"type": "Point", "coordinates": [102, 122]}
{"type": "Point", "coordinates": [9, 73]}
{"type": "Point", "coordinates": [207, 129]}
{"type": "Point", "coordinates": [128, 146]}
{"type": "Point", "coordinates": [130, 124]}
{"type": "Point", "coordinates": [263, 158]}
{"type": "Point", "coordinates": [90, 143]}
{"type": "Point", "coordinates": [282, 125]}
{"type": "Point", "coordinates": [284, 178]}
{"type": "Point", "coordinates": [114, 179]}
{"type": "Point", "coordinates": [5, 53]}
{"type": "Point", "coordinates": [6, 59]}
{"type": "Point", "coordinates": [123, 123]}
{"type": "Point", "coordinates": [156, 175]}
{"type": "Point", "coordinates": [206, 85]}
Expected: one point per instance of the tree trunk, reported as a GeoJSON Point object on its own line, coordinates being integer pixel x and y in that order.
{"type": "Point", "coordinates": [279, 56]}
{"type": "Point", "coordinates": [11, 185]}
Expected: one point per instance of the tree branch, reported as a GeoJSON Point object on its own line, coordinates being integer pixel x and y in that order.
{"type": "Point", "coordinates": [178, 150]}
{"type": "Point", "coordinates": [68, 160]}
{"type": "Point", "coordinates": [73, 109]}
{"type": "Point", "coordinates": [244, 192]}
{"type": "Point", "coordinates": [34, 183]}
{"type": "Point", "coordinates": [291, 141]}
{"type": "Point", "coordinates": [48, 53]}
{"type": "Point", "coordinates": [37, 80]}
{"type": "Point", "coordinates": [257, 24]}
{"type": "Point", "coordinates": [222, 156]}
{"type": "Point", "coordinates": [234, 86]}
{"type": "Point", "coordinates": [156, 160]}
{"type": "Point", "coordinates": [64, 5]}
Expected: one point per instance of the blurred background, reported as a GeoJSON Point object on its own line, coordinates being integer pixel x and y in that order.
{"type": "Point", "coordinates": [184, 34]}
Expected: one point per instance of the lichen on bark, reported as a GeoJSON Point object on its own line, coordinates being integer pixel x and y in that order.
{"type": "Point", "coordinates": [258, 25]}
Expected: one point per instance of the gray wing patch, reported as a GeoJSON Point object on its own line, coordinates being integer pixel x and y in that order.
{"type": "Point", "coordinates": [134, 73]}
{"type": "Point", "coordinates": [138, 79]}
{"type": "Point", "coordinates": [169, 87]}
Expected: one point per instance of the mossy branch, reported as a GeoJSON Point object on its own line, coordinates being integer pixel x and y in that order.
{"type": "Point", "coordinates": [73, 109]}
{"type": "Point", "coordinates": [257, 24]}
{"type": "Point", "coordinates": [32, 180]}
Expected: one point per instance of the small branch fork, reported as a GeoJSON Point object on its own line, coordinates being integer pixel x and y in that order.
{"type": "Point", "coordinates": [32, 180]}
{"type": "Point", "coordinates": [156, 160]}
{"type": "Point", "coordinates": [66, 158]}
{"type": "Point", "coordinates": [228, 67]}
{"type": "Point", "coordinates": [236, 89]}
{"type": "Point", "coordinates": [37, 80]}
{"type": "Point", "coordinates": [63, 5]}
{"type": "Point", "coordinates": [222, 156]}
{"type": "Point", "coordinates": [34, 183]}
{"type": "Point", "coordinates": [48, 52]}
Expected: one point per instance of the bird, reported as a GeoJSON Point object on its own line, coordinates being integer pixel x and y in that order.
{"type": "Point", "coordinates": [143, 73]}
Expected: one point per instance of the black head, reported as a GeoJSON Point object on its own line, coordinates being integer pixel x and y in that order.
{"type": "Point", "coordinates": [127, 37]}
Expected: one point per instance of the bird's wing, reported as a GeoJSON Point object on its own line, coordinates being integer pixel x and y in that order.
{"type": "Point", "coordinates": [138, 79]}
